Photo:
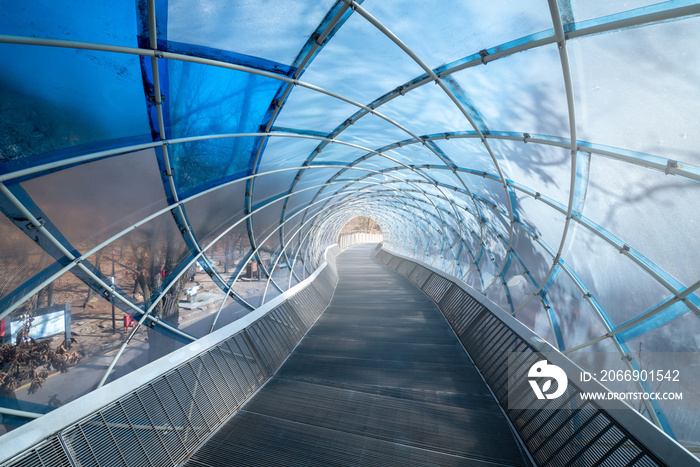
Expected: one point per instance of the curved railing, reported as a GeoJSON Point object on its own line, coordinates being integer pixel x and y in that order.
{"type": "Point", "coordinates": [186, 396]}
{"type": "Point", "coordinates": [346, 240]}
{"type": "Point", "coordinates": [567, 430]}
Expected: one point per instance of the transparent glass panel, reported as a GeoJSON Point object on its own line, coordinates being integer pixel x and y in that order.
{"type": "Point", "coordinates": [471, 223]}
{"type": "Point", "coordinates": [438, 112]}
{"type": "Point", "coordinates": [496, 246]}
{"type": "Point", "coordinates": [535, 317]}
{"type": "Point", "coordinates": [497, 294]}
{"type": "Point", "coordinates": [272, 32]}
{"type": "Point", "coordinates": [468, 153]}
{"type": "Point", "coordinates": [144, 257]}
{"type": "Point", "coordinates": [291, 231]}
{"type": "Point", "coordinates": [299, 273]}
{"type": "Point", "coordinates": [535, 258]}
{"type": "Point", "coordinates": [212, 213]}
{"type": "Point", "coordinates": [487, 267]}
{"type": "Point", "coordinates": [91, 328]}
{"type": "Point", "coordinates": [251, 289]}
{"type": "Point", "coordinates": [471, 273]}
{"type": "Point", "coordinates": [311, 110]}
{"type": "Point", "coordinates": [366, 56]}
{"type": "Point", "coordinates": [542, 219]}
{"type": "Point", "coordinates": [197, 309]}
{"type": "Point", "coordinates": [272, 186]}
{"type": "Point", "coordinates": [339, 154]}
{"type": "Point", "coordinates": [451, 247]}
{"type": "Point", "coordinates": [488, 25]}
{"type": "Point", "coordinates": [267, 220]}
{"type": "Point", "coordinates": [523, 92]}
{"type": "Point", "coordinates": [48, 99]}
{"type": "Point", "coordinates": [652, 212]}
{"type": "Point", "coordinates": [281, 152]}
{"type": "Point", "coordinates": [623, 289]}
{"type": "Point", "coordinates": [20, 257]}
{"type": "Point", "coordinates": [542, 168]}
{"type": "Point", "coordinates": [498, 222]}
{"type": "Point", "coordinates": [445, 177]}
{"type": "Point", "coordinates": [372, 132]}
{"type": "Point", "coordinates": [673, 346]}
{"type": "Point", "coordinates": [314, 178]}
{"type": "Point", "coordinates": [414, 154]}
{"type": "Point", "coordinates": [577, 319]}
{"type": "Point", "coordinates": [618, 77]}
{"type": "Point", "coordinates": [589, 9]}
{"type": "Point", "coordinates": [280, 274]}
{"type": "Point", "coordinates": [88, 203]}
{"type": "Point", "coordinates": [377, 163]}
{"type": "Point", "coordinates": [488, 189]}
{"type": "Point", "coordinates": [228, 253]}
{"type": "Point", "coordinates": [519, 284]}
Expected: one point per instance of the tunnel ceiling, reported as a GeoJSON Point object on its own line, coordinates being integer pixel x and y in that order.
{"type": "Point", "coordinates": [546, 153]}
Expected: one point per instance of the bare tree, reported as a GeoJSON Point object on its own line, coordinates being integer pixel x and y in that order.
{"type": "Point", "coordinates": [153, 255]}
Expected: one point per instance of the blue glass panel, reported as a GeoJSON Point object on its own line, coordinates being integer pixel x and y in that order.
{"type": "Point", "coordinates": [225, 102]}
{"type": "Point", "coordinates": [54, 98]}
{"type": "Point", "coordinates": [78, 20]}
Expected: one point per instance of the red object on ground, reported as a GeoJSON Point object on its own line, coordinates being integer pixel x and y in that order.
{"type": "Point", "coordinates": [128, 321]}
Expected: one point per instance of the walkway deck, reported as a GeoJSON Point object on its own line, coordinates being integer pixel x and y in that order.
{"type": "Point", "coordinates": [380, 379]}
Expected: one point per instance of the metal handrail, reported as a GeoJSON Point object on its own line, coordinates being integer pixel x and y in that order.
{"type": "Point", "coordinates": [80, 414]}
{"type": "Point", "coordinates": [644, 433]}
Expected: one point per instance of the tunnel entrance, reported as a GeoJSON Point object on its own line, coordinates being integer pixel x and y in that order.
{"type": "Point", "coordinates": [360, 229]}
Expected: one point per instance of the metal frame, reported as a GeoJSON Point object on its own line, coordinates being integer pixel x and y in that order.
{"type": "Point", "coordinates": [661, 444]}
{"type": "Point", "coordinates": [387, 205]}
{"type": "Point", "coordinates": [75, 413]}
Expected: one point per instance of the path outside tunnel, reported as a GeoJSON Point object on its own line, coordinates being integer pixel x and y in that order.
{"type": "Point", "coordinates": [380, 379]}
{"type": "Point", "coordinates": [61, 388]}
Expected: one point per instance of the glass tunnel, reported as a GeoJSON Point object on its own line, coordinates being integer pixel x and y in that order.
{"type": "Point", "coordinates": [156, 155]}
